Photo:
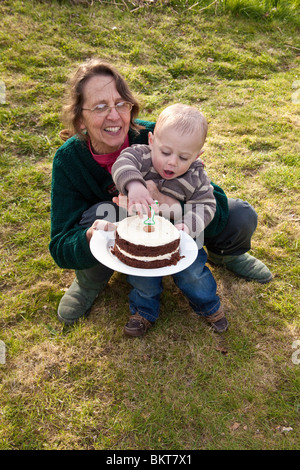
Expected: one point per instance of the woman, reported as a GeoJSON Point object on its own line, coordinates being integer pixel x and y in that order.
{"type": "Point", "coordinates": [101, 113]}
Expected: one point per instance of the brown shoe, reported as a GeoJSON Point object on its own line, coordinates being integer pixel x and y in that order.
{"type": "Point", "coordinates": [218, 320]}
{"type": "Point", "coordinates": [137, 325]}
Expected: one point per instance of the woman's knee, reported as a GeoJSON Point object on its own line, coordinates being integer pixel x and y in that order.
{"type": "Point", "coordinates": [242, 215]}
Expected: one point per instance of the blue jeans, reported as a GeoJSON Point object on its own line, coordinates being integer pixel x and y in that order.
{"type": "Point", "coordinates": [196, 282]}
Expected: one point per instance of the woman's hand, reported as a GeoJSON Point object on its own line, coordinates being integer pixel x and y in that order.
{"type": "Point", "coordinates": [99, 225]}
{"type": "Point", "coordinates": [183, 227]}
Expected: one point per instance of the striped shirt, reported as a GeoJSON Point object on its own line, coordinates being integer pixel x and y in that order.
{"type": "Point", "coordinates": [193, 188]}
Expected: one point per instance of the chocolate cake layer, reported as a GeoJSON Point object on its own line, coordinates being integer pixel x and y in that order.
{"type": "Point", "coordinates": [141, 250]}
{"type": "Point", "coordinates": [157, 263]}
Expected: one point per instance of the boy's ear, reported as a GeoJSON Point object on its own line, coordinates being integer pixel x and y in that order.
{"type": "Point", "coordinates": [150, 138]}
{"type": "Point", "coordinates": [199, 156]}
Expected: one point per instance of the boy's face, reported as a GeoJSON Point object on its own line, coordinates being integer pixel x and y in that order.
{"type": "Point", "coordinates": [173, 154]}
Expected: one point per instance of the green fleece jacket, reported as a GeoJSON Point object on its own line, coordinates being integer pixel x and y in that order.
{"type": "Point", "coordinates": [78, 182]}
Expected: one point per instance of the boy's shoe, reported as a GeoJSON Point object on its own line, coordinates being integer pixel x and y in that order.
{"type": "Point", "coordinates": [137, 325]}
{"type": "Point", "coordinates": [244, 265]}
{"type": "Point", "coordinates": [218, 321]}
{"type": "Point", "coordinates": [76, 303]}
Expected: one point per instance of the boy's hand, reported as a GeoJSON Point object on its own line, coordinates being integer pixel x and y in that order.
{"type": "Point", "coordinates": [121, 201]}
{"type": "Point", "coordinates": [139, 199]}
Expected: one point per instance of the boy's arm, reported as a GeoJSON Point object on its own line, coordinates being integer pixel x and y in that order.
{"type": "Point", "coordinates": [128, 177]}
{"type": "Point", "coordinates": [129, 166]}
{"type": "Point", "coordinates": [200, 208]}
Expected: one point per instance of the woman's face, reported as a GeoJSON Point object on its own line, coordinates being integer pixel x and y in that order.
{"type": "Point", "coordinates": [107, 132]}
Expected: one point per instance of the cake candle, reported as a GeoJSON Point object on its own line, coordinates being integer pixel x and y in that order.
{"type": "Point", "coordinates": [149, 222]}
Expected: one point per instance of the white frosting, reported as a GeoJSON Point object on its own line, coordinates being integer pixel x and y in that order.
{"type": "Point", "coordinates": [148, 258]}
{"type": "Point", "coordinates": [132, 230]}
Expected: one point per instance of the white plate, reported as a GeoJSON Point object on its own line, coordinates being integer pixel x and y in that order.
{"type": "Point", "coordinates": [102, 242]}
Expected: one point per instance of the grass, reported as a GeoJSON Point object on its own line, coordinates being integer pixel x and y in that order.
{"type": "Point", "coordinates": [182, 386]}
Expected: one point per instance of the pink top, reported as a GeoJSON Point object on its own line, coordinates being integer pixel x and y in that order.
{"type": "Point", "coordinates": [107, 160]}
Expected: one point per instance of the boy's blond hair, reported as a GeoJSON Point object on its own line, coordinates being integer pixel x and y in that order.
{"type": "Point", "coordinates": [184, 119]}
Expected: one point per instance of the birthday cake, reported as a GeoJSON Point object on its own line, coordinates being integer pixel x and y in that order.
{"type": "Point", "coordinates": [149, 246]}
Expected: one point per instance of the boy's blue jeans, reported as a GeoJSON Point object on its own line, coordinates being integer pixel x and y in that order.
{"type": "Point", "coordinates": [196, 282]}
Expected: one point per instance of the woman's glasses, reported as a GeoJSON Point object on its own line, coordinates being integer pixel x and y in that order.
{"type": "Point", "coordinates": [123, 107]}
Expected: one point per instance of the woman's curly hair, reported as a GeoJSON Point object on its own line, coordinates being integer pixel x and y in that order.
{"type": "Point", "coordinates": [72, 110]}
